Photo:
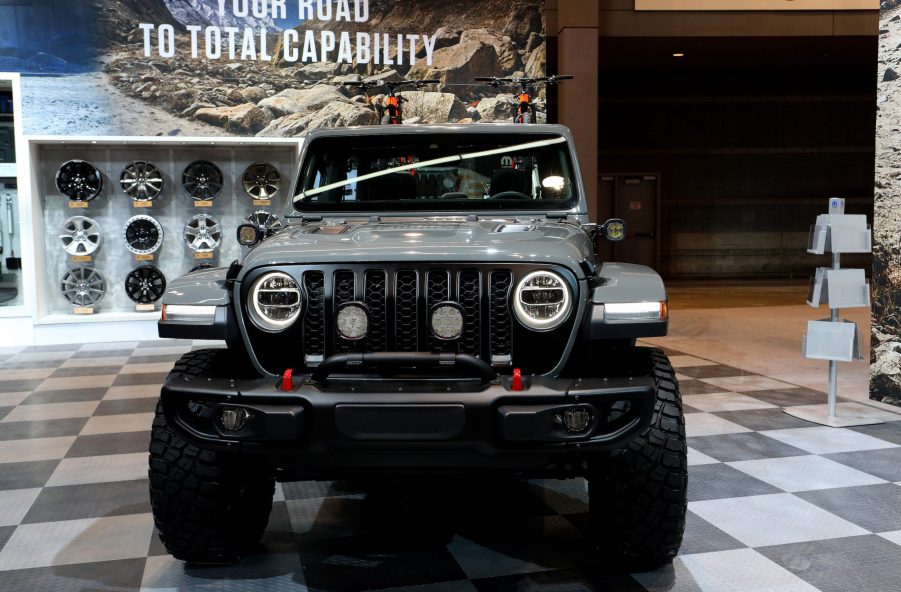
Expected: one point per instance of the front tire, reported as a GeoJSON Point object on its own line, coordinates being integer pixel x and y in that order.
{"type": "Point", "coordinates": [638, 496]}
{"type": "Point", "coordinates": [208, 507]}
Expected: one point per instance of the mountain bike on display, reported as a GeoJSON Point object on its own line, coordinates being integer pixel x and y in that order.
{"type": "Point", "coordinates": [525, 112]}
{"type": "Point", "coordinates": [391, 112]}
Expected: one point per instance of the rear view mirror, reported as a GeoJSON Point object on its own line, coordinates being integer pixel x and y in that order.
{"type": "Point", "coordinates": [614, 229]}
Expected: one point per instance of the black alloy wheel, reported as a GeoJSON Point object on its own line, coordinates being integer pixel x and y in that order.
{"type": "Point", "coordinates": [145, 285]}
{"type": "Point", "coordinates": [79, 180]}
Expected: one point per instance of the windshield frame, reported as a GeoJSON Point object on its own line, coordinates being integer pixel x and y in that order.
{"type": "Point", "coordinates": [518, 136]}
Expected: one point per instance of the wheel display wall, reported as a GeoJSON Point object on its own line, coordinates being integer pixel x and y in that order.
{"type": "Point", "coordinates": [172, 208]}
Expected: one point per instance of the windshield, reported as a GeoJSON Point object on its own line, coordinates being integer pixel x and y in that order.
{"type": "Point", "coordinates": [419, 172]}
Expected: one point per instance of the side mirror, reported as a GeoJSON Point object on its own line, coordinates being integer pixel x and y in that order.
{"type": "Point", "coordinates": [614, 229]}
{"type": "Point", "coordinates": [249, 235]}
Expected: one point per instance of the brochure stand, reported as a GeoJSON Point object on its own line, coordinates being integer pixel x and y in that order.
{"type": "Point", "coordinates": [833, 339]}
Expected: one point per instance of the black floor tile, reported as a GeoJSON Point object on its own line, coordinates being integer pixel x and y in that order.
{"type": "Point", "coordinates": [885, 464]}
{"type": "Point", "coordinates": [889, 431]}
{"type": "Point", "coordinates": [876, 508]}
{"type": "Point", "coordinates": [25, 475]}
{"type": "Point", "coordinates": [5, 533]}
{"type": "Point", "coordinates": [65, 396]}
{"type": "Point", "coordinates": [718, 371]}
{"type": "Point", "coordinates": [589, 579]}
{"type": "Point", "coordinates": [139, 359]}
{"type": "Point", "coordinates": [709, 482]}
{"type": "Point", "coordinates": [122, 406]}
{"type": "Point", "coordinates": [763, 419]}
{"type": "Point", "coordinates": [12, 364]}
{"type": "Point", "coordinates": [703, 537]}
{"type": "Point", "coordinates": [85, 371]}
{"type": "Point", "coordinates": [104, 444]}
{"type": "Point", "coordinates": [109, 353]}
{"type": "Point", "coordinates": [94, 500]}
{"type": "Point", "coordinates": [19, 386]}
{"type": "Point", "coordinates": [746, 446]}
{"type": "Point", "coordinates": [51, 428]}
{"type": "Point", "coordinates": [697, 387]}
{"type": "Point", "coordinates": [140, 378]}
{"type": "Point", "coordinates": [4, 411]}
{"type": "Point", "coordinates": [102, 576]}
{"type": "Point", "coordinates": [840, 565]}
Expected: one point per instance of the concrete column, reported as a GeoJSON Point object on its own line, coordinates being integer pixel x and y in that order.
{"type": "Point", "coordinates": [577, 43]}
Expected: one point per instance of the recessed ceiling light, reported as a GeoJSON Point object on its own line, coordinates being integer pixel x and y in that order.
{"type": "Point", "coordinates": [678, 55]}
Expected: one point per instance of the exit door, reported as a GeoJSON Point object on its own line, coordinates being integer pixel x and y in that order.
{"type": "Point", "coordinates": [635, 199]}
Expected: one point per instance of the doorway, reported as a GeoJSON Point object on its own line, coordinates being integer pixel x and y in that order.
{"type": "Point", "coordinates": [635, 198]}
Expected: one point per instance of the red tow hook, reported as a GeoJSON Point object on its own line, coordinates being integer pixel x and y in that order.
{"type": "Point", "coordinates": [288, 380]}
{"type": "Point", "coordinates": [516, 384]}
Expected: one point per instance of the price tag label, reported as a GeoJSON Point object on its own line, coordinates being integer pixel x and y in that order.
{"type": "Point", "coordinates": [83, 310]}
{"type": "Point", "coordinates": [81, 258]}
{"type": "Point", "coordinates": [143, 257]}
{"type": "Point", "coordinates": [203, 204]}
{"type": "Point", "coordinates": [203, 255]}
{"type": "Point", "coordinates": [145, 307]}
{"type": "Point", "coordinates": [78, 204]}
{"type": "Point", "coordinates": [262, 202]}
{"type": "Point", "coordinates": [142, 204]}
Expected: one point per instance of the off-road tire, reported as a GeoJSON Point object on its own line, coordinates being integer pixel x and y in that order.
{"type": "Point", "coordinates": [637, 495]}
{"type": "Point", "coordinates": [208, 507]}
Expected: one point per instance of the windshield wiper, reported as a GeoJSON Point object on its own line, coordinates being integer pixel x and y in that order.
{"type": "Point", "coordinates": [304, 195]}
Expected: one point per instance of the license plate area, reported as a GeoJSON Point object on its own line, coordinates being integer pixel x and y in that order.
{"type": "Point", "coordinates": [400, 422]}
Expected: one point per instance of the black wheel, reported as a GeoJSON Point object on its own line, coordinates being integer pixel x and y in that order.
{"type": "Point", "coordinates": [145, 285]}
{"type": "Point", "coordinates": [262, 180]}
{"type": "Point", "coordinates": [202, 180]}
{"type": "Point", "coordinates": [637, 496]}
{"type": "Point", "coordinates": [79, 180]}
{"type": "Point", "coordinates": [143, 235]}
{"type": "Point", "coordinates": [208, 507]}
{"type": "Point", "coordinates": [141, 181]}
{"type": "Point", "coordinates": [267, 222]}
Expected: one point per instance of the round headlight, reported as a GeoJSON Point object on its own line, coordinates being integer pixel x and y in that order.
{"type": "Point", "coordinates": [447, 321]}
{"type": "Point", "coordinates": [542, 300]}
{"type": "Point", "coordinates": [352, 321]}
{"type": "Point", "coordinates": [275, 301]}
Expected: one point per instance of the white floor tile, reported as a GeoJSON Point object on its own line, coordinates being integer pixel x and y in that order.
{"type": "Point", "coordinates": [894, 536]}
{"type": "Point", "coordinates": [12, 399]}
{"type": "Point", "coordinates": [14, 451]}
{"type": "Point", "coordinates": [161, 351]}
{"type": "Point", "coordinates": [77, 541]}
{"type": "Point", "coordinates": [689, 362]}
{"type": "Point", "coordinates": [46, 411]}
{"type": "Point", "coordinates": [804, 473]}
{"type": "Point", "coordinates": [14, 504]}
{"type": "Point", "coordinates": [699, 458]}
{"type": "Point", "coordinates": [26, 373]}
{"type": "Point", "coordinates": [137, 391]}
{"type": "Point", "coordinates": [116, 424]}
{"type": "Point", "coordinates": [146, 368]}
{"type": "Point", "coordinates": [100, 469]}
{"type": "Point", "coordinates": [741, 570]}
{"type": "Point", "coordinates": [705, 424]}
{"type": "Point", "coordinates": [94, 362]}
{"type": "Point", "coordinates": [826, 440]}
{"type": "Point", "coordinates": [41, 356]}
{"type": "Point", "coordinates": [751, 382]}
{"type": "Point", "coordinates": [774, 519]}
{"type": "Point", "coordinates": [108, 346]}
{"type": "Point", "coordinates": [76, 382]}
{"type": "Point", "coordinates": [716, 402]}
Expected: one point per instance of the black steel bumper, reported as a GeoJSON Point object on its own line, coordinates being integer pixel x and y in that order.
{"type": "Point", "coordinates": [355, 424]}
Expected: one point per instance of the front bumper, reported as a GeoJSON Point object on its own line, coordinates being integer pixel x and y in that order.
{"type": "Point", "coordinates": [356, 424]}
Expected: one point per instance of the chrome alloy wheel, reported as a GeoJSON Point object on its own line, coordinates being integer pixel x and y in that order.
{"type": "Point", "coordinates": [80, 236]}
{"type": "Point", "coordinates": [202, 233]}
{"type": "Point", "coordinates": [141, 181]}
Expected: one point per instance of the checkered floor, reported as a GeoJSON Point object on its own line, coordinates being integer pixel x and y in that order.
{"type": "Point", "coordinates": [776, 504]}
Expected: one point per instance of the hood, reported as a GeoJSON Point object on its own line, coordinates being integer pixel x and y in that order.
{"type": "Point", "coordinates": [483, 241]}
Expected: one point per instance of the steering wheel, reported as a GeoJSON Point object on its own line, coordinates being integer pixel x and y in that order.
{"type": "Point", "coordinates": [510, 195]}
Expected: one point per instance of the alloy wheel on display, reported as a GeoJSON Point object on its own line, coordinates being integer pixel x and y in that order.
{"type": "Point", "coordinates": [79, 180]}
{"type": "Point", "coordinates": [202, 180]}
{"type": "Point", "coordinates": [202, 233]}
{"type": "Point", "coordinates": [83, 286]}
{"type": "Point", "coordinates": [141, 181]}
{"type": "Point", "coordinates": [143, 235]}
{"type": "Point", "coordinates": [262, 180]}
{"type": "Point", "coordinates": [80, 236]}
{"type": "Point", "coordinates": [267, 222]}
{"type": "Point", "coordinates": [145, 285]}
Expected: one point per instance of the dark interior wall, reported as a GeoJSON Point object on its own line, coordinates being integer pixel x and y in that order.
{"type": "Point", "coordinates": [750, 137]}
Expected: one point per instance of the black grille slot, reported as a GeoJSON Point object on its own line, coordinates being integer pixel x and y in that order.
{"type": "Point", "coordinates": [406, 311]}
{"type": "Point", "coordinates": [314, 318]}
{"type": "Point", "coordinates": [375, 299]}
{"type": "Point", "coordinates": [437, 290]}
{"type": "Point", "coordinates": [344, 292]}
{"type": "Point", "coordinates": [469, 295]}
{"type": "Point", "coordinates": [499, 315]}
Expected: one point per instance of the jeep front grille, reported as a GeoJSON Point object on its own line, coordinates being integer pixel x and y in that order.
{"type": "Point", "coordinates": [399, 301]}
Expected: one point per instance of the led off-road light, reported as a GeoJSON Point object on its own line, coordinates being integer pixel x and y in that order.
{"type": "Point", "coordinates": [352, 321]}
{"type": "Point", "coordinates": [447, 321]}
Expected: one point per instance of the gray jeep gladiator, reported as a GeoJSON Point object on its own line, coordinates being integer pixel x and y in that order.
{"type": "Point", "coordinates": [434, 306]}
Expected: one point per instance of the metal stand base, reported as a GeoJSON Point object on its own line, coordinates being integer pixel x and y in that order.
{"type": "Point", "coordinates": [847, 415]}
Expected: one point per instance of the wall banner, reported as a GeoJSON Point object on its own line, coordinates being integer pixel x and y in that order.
{"type": "Point", "coordinates": [260, 67]}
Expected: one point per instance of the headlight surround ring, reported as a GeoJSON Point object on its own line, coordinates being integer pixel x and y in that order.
{"type": "Point", "coordinates": [542, 300]}
{"type": "Point", "coordinates": [275, 301]}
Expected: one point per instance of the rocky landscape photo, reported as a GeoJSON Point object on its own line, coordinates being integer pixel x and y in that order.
{"type": "Point", "coordinates": [287, 99]}
{"type": "Point", "coordinates": [885, 370]}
